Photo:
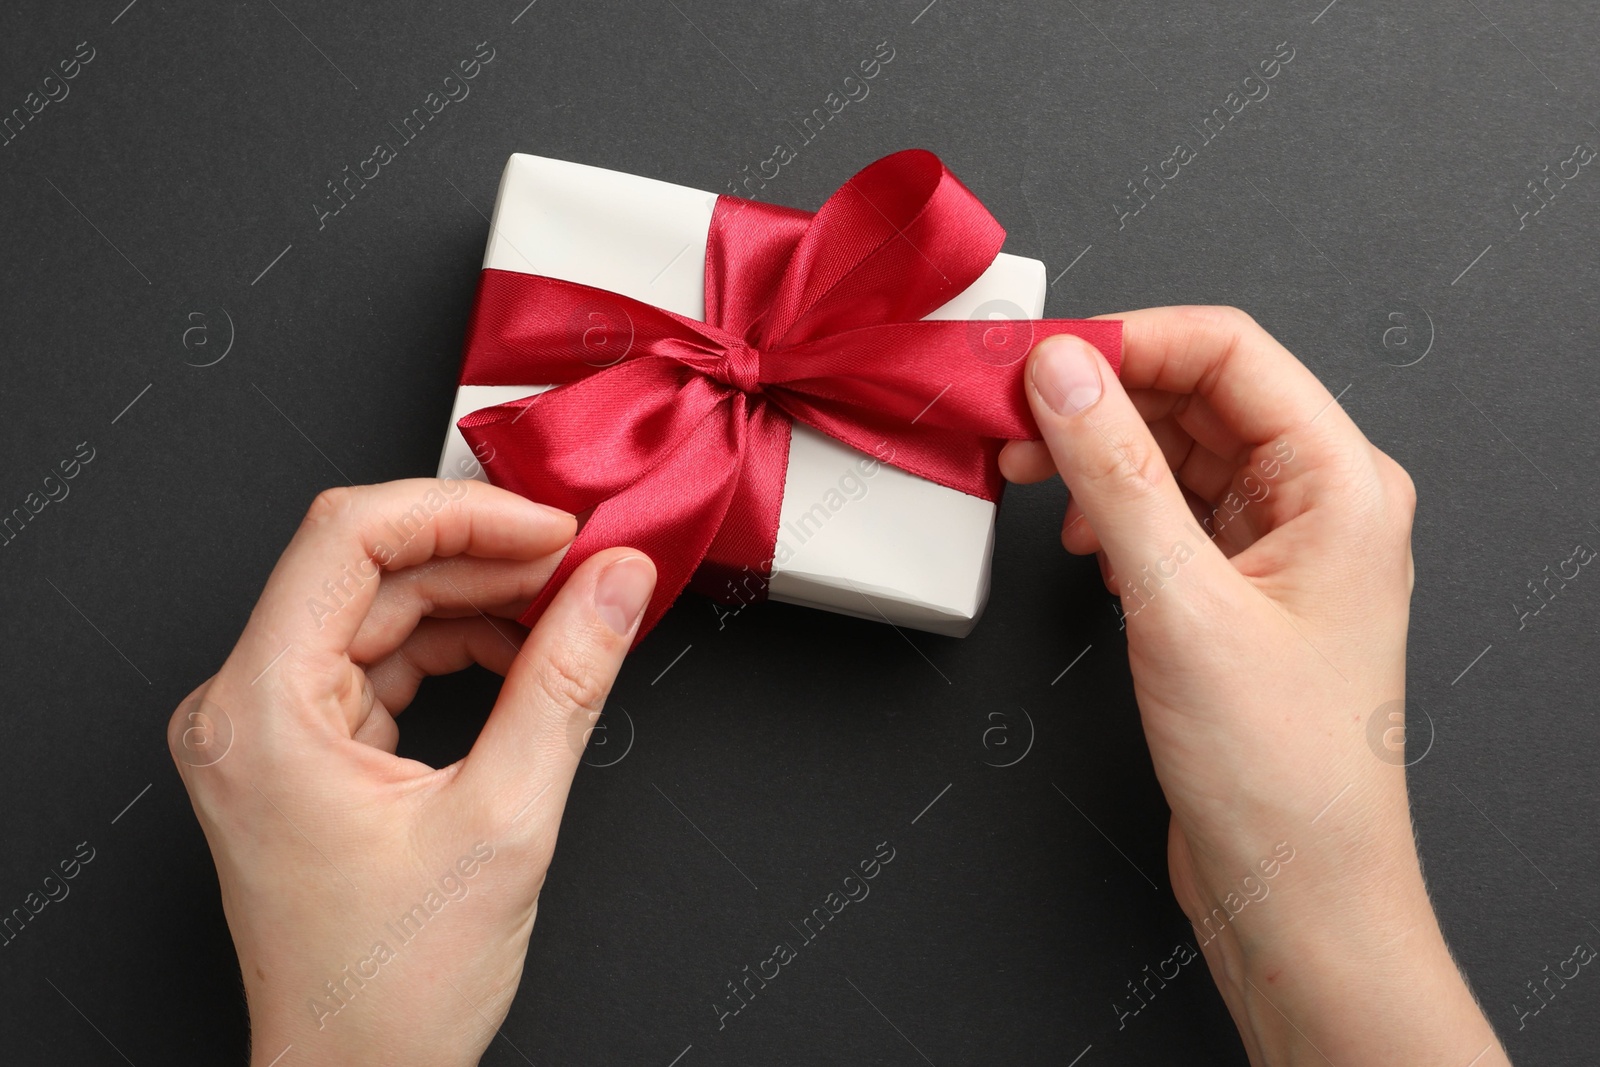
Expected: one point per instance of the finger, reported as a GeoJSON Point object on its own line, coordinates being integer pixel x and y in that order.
{"type": "Point", "coordinates": [1077, 536]}
{"type": "Point", "coordinates": [1111, 463]}
{"type": "Point", "coordinates": [1210, 430]}
{"type": "Point", "coordinates": [1203, 476]}
{"type": "Point", "coordinates": [1080, 539]}
{"type": "Point", "coordinates": [460, 587]}
{"type": "Point", "coordinates": [378, 729]}
{"type": "Point", "coordinates": [1204, 517]}
{"type": "Point", "coordinates": [1256, 386]}
{"type": "Point", "coordinates": [443, 646]}
{"type": "Point", "coordinates": [326, 580]}
{"type": "Point", "coordinates": [1026, 462]}
{"type": "Point", "coordinates": [1201, 471]}
{"type": "Point", "coordinates": [1239, 517]}
{"type": "Point", "coordinates": [525, 757]}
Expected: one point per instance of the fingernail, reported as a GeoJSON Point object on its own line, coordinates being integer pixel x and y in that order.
{"type": "Point", "coordinates": [622, 591]}
{"type": "Point", "coordinates": [1066, 372]}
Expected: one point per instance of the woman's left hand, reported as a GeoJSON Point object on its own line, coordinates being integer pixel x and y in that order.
{"type": "Point", "coordinates": [381, 908]}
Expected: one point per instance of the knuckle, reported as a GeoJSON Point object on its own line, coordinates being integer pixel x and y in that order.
{"type": "Point", "coordinates": [1378, 499]}
{"type": "Point", "coordinates": [574, 682]}
{"type": "Point", "coordinates": [330, 505]}
{"type": "Point", "coordinates": [1392, 498]}
{"type": "Point", "coordinates": [1224, 319]}
{"type": "Point", "coordinates": [1129, 464]}
{"type": "Point", "coordinates": [200, 732]}
{"type": "Point", "coordinates": [1402, 489]}
{"type": "Point", "coordinates": [176, 725]}
{"type": "Point", "coordinates": [1225, 330]}
{"type": "Point", "coordinates": [180, 720]}
{"type": "Point", "coordinates": [1360, 494]}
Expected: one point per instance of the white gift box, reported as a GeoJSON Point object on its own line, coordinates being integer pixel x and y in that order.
{"type": "Point", "coordinates": [855, 536]}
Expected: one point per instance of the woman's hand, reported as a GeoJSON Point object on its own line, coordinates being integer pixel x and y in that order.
{"type": "Point", "coordinates": [381, 908]}
{"type": "Point", "coordinates": [1261, 548]}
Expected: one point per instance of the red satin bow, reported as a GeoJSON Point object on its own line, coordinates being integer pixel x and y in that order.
{"type": "Point", "coordinates": [676, 432]}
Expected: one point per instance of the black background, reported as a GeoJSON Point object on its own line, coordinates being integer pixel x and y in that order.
{"type": "Point", "coordinates": [1383, 165]}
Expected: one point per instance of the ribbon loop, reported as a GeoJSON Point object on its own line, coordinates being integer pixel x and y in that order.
{"type": "Point", "coordinates": [895, 242]}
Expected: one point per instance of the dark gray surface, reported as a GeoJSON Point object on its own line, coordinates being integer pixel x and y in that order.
{"type": "Point", "coordinates": [1384, 163]}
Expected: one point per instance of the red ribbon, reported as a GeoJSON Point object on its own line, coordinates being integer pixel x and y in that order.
{"type": "Point", "coordinates": [675, 433]}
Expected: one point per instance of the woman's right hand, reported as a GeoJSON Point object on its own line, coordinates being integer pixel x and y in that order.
{"type": "Point", "coordinates": [1261, 548]}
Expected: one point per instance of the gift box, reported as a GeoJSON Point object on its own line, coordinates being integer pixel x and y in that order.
{"type": "Point", "coordinates": [856, 534]}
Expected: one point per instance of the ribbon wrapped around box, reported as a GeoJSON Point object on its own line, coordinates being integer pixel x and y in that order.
{"type": "Point", "coordinates": [766, 402]}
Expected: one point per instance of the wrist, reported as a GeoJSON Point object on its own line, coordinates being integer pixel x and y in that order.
{"type": "Point", "coordinates": [1356, 985]}
{"type": "Point", "coordinates": [393, 1046]}
{"type": "Point", "coordinates": [1329, 949]}
{"type": "Point", "coordinates": [307, 1052]}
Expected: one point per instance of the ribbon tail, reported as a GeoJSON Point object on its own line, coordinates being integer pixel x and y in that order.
{"type": "Point", "coordinates": [738, 563]}
{"type": "Point", "coordinates": [944, 374]}
{"type": "Point", "coordinates": [962, 461]}
{"type": "Point", "coordinates": [552, 448]}
{"type": "Point", "coordinates": [671, 514]}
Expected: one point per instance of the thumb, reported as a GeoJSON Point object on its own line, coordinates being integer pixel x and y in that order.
{"type": "Point", "coordinates": [557, 685]}
{"type": "Point", "coordinates": [1113, 467]}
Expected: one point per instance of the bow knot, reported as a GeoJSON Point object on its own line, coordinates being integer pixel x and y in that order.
{"type": "Point", "coordinates": [739, 367]}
